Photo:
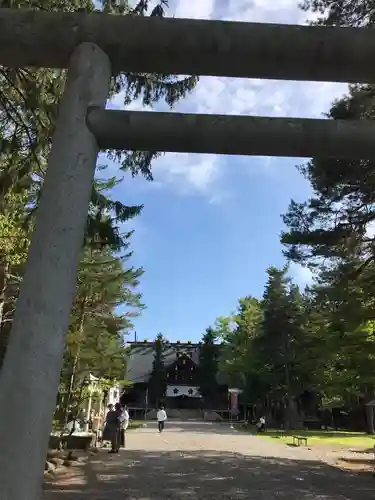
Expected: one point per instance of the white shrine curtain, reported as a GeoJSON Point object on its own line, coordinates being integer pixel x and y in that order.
{"type": "Point", "coordinates": [174, 391]}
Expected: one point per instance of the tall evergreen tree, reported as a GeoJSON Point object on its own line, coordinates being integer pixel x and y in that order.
{"type": "Point", "coordinates": [346, 307]}
{"type": "Point", "coordinates": [208, 367]}
{"type": "Point", "coordinates": [236, 357]}
{"type": "Point", "coordinates": [29, 101]}
{"type": "Point", "coordinates": [158, 378]}
{"type": "Point", "coordinates": [332, 232]}
{"type": "Point", "coordinates": [279, 340]}
{"type": "Point", "coordinates": [95, 341]}
{"type": "Point", "coordinates": [29, 98]}
{"type": "Point", "coordinates": [16, 222]}
{"type": "Point", "coordinates": [334, 223]}
{"type": "Point", "coordinates": [355, 13]}
{"type": "Point", "coordinates": [15, 230]}
{"type": "Point", "coordinates": [273, 340]}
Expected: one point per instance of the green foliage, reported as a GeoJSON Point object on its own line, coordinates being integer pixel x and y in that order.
{"type": "Point", "coordinates": [273, 347]}
{"type": "Point", "coordinates": [104, 306]}
{"type": "Point", "coordinates": [332, 233]}
{"type": "Point", "coordinates": [334, 225]}
{"type": "Point", "coordinates": [208, 365]}
{"type": "Point", "coordinates": [334, 222]}
{"type": "Point", "coordinates": [316, 346]}
{"type": "Point", "coordinates": [106, 215]}
{"type": "Point", "coordinates": [237, 333]}
{"type": "Point", "coordinates": [29, 100]}
{"type": "Point", "coordinates": [14, 230]}
{"type": "Point", "coordinates": [158, 378]}
{"type": "Point", "coordinates": [279, 342]}
{"type": "Point", "coordinates": [355, 13]}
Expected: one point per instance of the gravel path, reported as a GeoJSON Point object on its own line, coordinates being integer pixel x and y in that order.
{"type": "Point", "coordinates": [208, 461]}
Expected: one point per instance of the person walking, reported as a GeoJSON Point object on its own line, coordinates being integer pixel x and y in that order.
{"type": "Point", "coordinates": [113, 427]}
{"type": "Point", "coordinates": [124, 425]}
{"type": "Point", "coordinates": [105, 430]}
{"type": "Point", "coordinates": [261, 425]}
{"type": "Point", "coordinates": [161, 418]}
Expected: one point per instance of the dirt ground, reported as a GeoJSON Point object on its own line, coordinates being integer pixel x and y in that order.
{"type": "Point", "coordinates": [197, 460]}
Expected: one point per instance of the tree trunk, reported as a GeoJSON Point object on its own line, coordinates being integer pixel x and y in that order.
{"type": "Point", "coordinates": [4, 270]}
{"type": "Point", "coordinates": [370, 419]}
{"type": "Point", "coordinates": [369, 409]}
{"type": "Point", "coordinates": [290, 401]}
{"type": "Point", "coordinates": [75, 363]}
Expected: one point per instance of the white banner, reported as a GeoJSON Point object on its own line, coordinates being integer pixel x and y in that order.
{"type": "Point", "coordinates": [174, 391]}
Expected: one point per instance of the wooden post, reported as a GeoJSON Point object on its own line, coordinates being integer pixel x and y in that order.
{"type": "Point", "coordinates": [30, 374]}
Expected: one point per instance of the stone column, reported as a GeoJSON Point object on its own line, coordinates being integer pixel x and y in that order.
{"type": "Point", "coordinates": [30, 374]}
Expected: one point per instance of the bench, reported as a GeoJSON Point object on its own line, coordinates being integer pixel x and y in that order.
{"type": "Point", "coordinates": [297, 440]}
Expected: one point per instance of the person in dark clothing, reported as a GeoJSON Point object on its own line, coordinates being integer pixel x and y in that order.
{"type": "Point", "coordinates": [113, 428]}
{"type": "Point", "coordinates": [106, 433]}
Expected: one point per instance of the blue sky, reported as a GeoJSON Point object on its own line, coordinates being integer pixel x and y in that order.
{"type": "Point", "coordinates": [210, 226]}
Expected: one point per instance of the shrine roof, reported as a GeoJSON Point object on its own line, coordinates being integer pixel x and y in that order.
{"type": "Point", "coordinates": [141, 356]}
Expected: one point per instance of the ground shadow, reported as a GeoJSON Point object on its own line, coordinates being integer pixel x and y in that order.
{"type": "Point", "coordinates": [365, 461]}
{"type": "Point", "coordinates": [210, 475]}
{"type": "Point", "coordinates": [370, 451]}
{"type": "Point", "coordinates": [201, 427]}
{"type": "Point", "coordinates": [321, 434]}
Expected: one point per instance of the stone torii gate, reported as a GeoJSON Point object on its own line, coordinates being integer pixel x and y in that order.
{"type": "Point", "coordinates": [92, 47]}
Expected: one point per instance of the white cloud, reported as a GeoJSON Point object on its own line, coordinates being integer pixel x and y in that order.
{"type": "Point", "coordinates": [265, 98]}
{"type": "Point", "coordinates": [194, 9]}
{"type": "Point", "coordinates": [188, 172]}
{"type": "Point", "coordinates": [239, 96]}
{"type": "Point", "coordinates": [370, 230]}
{"type": "Point", "coordinates": [302, 276]}
{"type": "Point", "coordinates": [264, 11]}
{"type": "Point", "coordinates": [117, 102]}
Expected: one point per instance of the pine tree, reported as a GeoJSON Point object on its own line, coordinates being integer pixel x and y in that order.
{"type": "Point", "coordinates": [15, 229]}
{"type": "Point", "coordinates": [279, 341]}
{"type": "Point", "coordinates": [355, 13]}
{"type": "Point", "coordinates": [236, 356]}
{"type": "Point", "coordinates": [208, 366]}
{"type": "Point", "coordinates": [29, 99]}
{"type": "Point", "coordinates": [95, 341]}
{"type": "Point", "coordinates": [16, 222]}
{"type": "Point", "coordinates": [332, 233]}
{"type": "Point", "coordinates": [348, 357]}
{"type": "Point", "coordinates": [158, 378]}
{"type": "Point", "coordinates": [333, 223]}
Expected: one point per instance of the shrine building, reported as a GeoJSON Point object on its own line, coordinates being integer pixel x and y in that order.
{"type": "Point", "coordinates": [181, 361]}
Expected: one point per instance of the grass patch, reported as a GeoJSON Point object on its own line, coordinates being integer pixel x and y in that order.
{"type": "Point", "coordinates": [135, 424]}
{"type": "Point", "coordinates": [336, 438]}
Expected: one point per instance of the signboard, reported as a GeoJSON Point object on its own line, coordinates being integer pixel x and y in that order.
{"type": "Point", "coordinates": [233, 392]}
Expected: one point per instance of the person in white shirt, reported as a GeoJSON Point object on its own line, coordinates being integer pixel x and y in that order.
{"type": "Point", "coordinates": [261, 424]}
{"type": "Point", "coordinates": [124, 419]}
{"type": "Point", "coordinates": [161, 418]}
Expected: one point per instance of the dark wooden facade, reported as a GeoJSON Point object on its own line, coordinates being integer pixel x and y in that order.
{"type": "Point", "coordinates": [183, 371]}
{"type": "Point", "coordinates": [182, 366]}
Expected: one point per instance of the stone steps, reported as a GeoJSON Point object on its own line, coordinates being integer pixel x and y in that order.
{"type": "Point", "coordinates": [176, 414]}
